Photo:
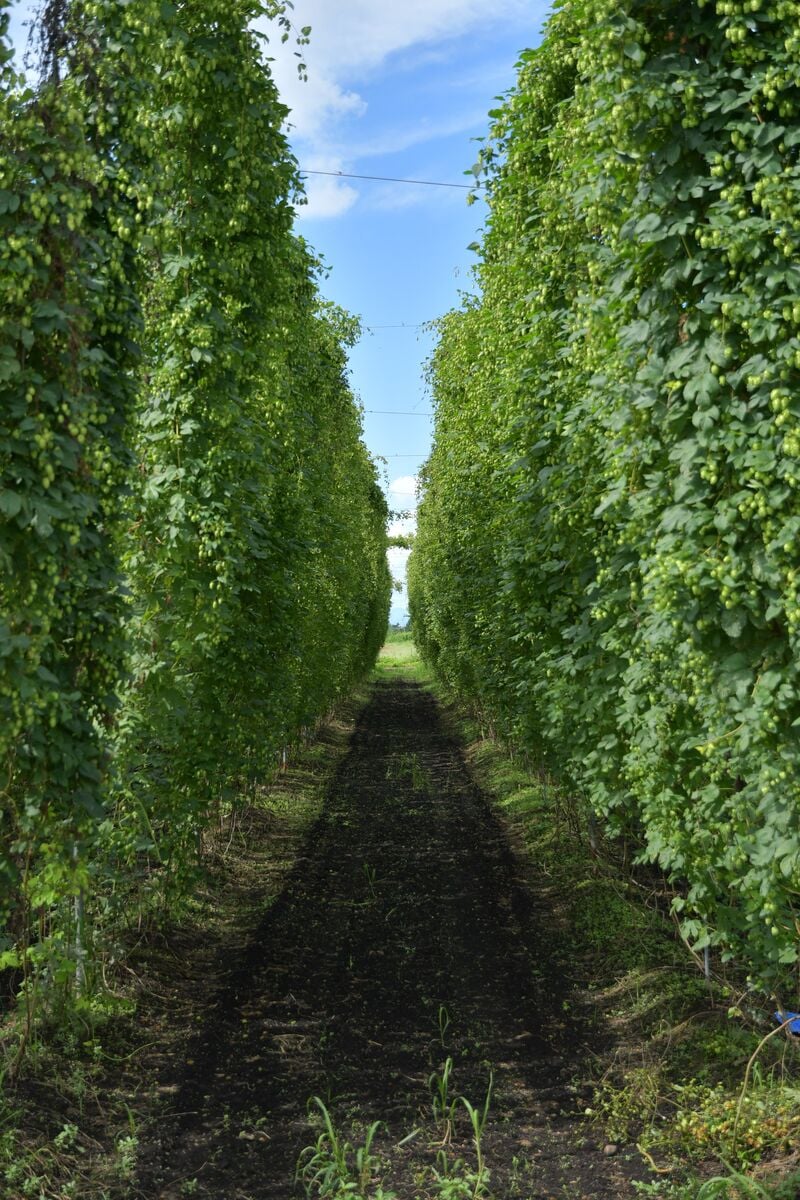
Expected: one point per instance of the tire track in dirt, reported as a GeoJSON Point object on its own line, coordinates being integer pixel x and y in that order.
{"type": "Point", "coordinates": [405, 935]}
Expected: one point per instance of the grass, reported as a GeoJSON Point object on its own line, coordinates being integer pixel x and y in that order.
{"type": "Point", "coordinates": [399, 658]}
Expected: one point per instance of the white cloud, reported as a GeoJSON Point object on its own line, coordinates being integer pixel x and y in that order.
{"type": "Point", "coordinates": [402, 526]}
{"type": "Point", "coordinates": [401, 495]}
{"type": "Point", "coordinates": [316, 102]}
{"type": "Point", "coordinates": [325, 195]}
{"type": "Point", "coordinates": [350, 41]}
{"type": "Point", "coordinates": [396, 140]}
{"type": "Point", "coordinates": [398, 559]}
{"type": "Point", "coordinates": [385, 198]}
{"type": "Point", "coordinates": [402, 492]}
{"type": "Point", "coordinates": [352, 37]}
{"type": "Point", "coordinates": [398, 562]}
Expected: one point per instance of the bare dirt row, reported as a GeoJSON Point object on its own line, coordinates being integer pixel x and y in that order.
{"type": "Point", "coordinates": [408, 933]}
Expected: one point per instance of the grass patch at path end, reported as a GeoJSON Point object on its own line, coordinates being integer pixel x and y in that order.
{"type": "Point", "coordinates": [399, 657]}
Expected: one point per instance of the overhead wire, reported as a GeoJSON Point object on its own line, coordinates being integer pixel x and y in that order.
{"type": "Point", "coordinates": [469, 187]}
{"type": "Point", "coordinates": [421, 325]}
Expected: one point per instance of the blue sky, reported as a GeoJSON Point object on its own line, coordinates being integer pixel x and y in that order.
{"type": "Point", "coordinates": [399, 90]}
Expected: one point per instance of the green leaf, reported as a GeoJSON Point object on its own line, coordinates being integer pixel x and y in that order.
{"type": "Point", "coordinates": [9, 201]}
{"type": "Point", "coordinates": [648, 225]}
{"type": "Point", "coordinates": [733, 621]}
{"type": "Point", "coordinates": [10, 503]}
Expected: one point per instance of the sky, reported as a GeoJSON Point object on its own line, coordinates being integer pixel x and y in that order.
{"type": "Point", "coordinates": [398, 90]}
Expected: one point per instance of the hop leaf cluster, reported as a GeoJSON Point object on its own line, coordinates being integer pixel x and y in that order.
{"type": "Point", "coordinates": [193, 537]}
{"type": "Point", "coordinates": [607, 558]}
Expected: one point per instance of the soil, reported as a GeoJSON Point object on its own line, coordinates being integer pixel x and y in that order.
{"type": "Point", "coordinates": [408, 931]}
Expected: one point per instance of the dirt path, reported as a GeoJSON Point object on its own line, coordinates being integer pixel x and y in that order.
{"type": "Point", "coordinates": [405, 936]}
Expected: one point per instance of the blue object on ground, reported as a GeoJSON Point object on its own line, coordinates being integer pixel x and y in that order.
{"type": "Point", "coordinates": [794, 1027]}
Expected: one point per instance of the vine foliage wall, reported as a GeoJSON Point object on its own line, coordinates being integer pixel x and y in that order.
{"type": "Point", "coordinates": [609, 543]}
{"type": "Point", "coordinates": [192, 557]}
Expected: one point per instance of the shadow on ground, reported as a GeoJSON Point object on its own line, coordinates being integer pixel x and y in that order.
{"type": "Point", "coordinates": [406, 934]}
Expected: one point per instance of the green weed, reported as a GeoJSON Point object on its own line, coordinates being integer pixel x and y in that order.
{"type": "Point", "coordinates": [444, 1023]}
{"type": "Point", "coordinates": [477, 1118]}
{"type": "Point", "coordinates": [371, 878]}
{"type": "Point", "coordinates": [420, 781]}
{"type": "Point", "coordinates": [731, 1186]}
{"type": "Point", "coordinates": [712, 1121]}
{"type": "Point", "coordinates": [333, 1168]}
{"type": "Point", "coordinates": [624, 1110]}
{"type": "Point", "coordinates": [126, 1155]}
{"type": "Point", "coordinates": [444, 1105]}
{"type": "Point", "coordinates": [455, 1180]}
